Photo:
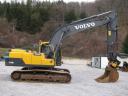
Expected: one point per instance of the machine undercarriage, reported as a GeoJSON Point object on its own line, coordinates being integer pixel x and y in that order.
{"type": "Point", "coordinates": [42, 74]}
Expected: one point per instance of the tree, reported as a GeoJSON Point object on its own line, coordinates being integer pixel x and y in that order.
{"type": "Point", "coordinates": [44, 14]}
{"type": "Point", "coordinates": [1, 9]}
{"type": "Point", "coordinates": [70, 16]}
{"type": "Point", "coordinates": [83, 15]}
{"type": "Point", "coordinates": [35, 22]}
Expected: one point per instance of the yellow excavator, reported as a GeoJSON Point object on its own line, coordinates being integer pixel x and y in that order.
{"type": "Point", "coordinates": [41, 65]}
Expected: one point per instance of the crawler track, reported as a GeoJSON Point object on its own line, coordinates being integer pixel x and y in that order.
{"type": "Point", "coordinates": [39, 74]}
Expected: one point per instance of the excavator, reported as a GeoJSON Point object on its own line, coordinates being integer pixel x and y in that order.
{"type": "Point", "coordinates": [42, 65]}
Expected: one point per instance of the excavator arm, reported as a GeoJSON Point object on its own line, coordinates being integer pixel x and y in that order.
{"type": "Point", "coordinates": [108, 19]}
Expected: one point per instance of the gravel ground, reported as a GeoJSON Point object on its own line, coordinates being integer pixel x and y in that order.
{"type": "Point", "coordinates": [82, 83]}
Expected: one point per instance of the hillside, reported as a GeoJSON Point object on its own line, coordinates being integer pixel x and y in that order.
{"type": "Point", "coordinates": [84, 44]}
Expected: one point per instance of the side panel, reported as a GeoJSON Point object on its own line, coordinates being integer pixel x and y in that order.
{"type": "Point", "coordinates": [25, 56]}
{"type": "Point", "coordinates": [48, 62]}
{"type": "Point", "coordinates": [28, 59]}
{"type": "Point", "coordinates": [36, 59]}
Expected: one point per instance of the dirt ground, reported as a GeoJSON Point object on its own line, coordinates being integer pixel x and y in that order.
{"type": "Point", "coordinates": [82, 83]}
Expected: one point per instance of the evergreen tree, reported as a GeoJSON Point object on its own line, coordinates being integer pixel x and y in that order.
{"type": "Point", "coordinates": [1, 10]}
{"type": "Point", "coordinates": [70, 16]}
{"type": "Point", "coordinates": [44, 14]}
{"type": "Point", "coordinates": [82, 15]}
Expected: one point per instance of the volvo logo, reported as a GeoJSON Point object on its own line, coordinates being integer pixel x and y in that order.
{"type": "Point", "coordinates": [84, 26]}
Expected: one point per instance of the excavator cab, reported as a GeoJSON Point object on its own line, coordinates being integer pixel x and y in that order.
{"type": "Point", "coordinates": [45, 48]}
